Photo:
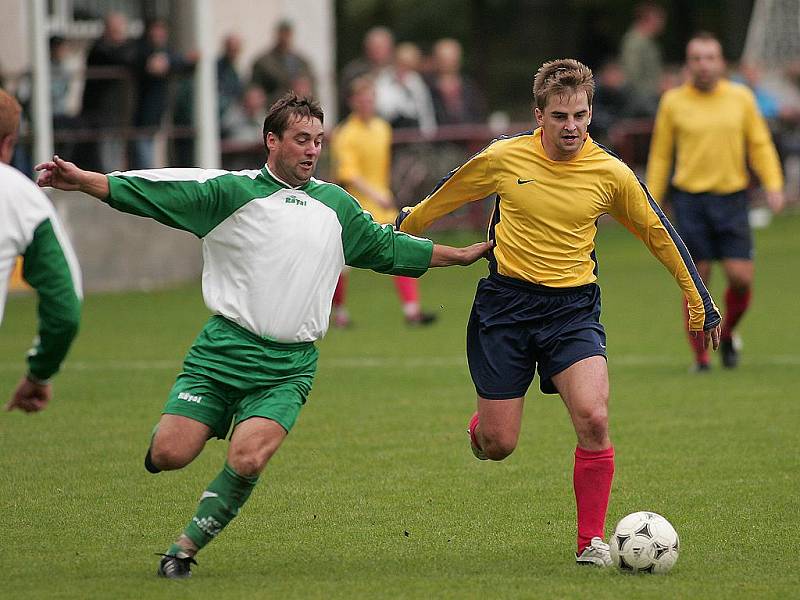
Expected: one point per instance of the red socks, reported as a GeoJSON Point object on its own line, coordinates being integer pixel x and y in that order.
{"type": "Point", "coordinates": [736, 303]}
{"type": "Point", "coordinates": [340, 293]}
{"type": "Point", "coordinates": [407, 289]}
{"type": "Point", "coordinates": [594, 470]}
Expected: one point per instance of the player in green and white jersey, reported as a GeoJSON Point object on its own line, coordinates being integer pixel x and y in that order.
{"type": "Point", "coordinates": [274, 242]}
{"type": "Point", "coordinates": [29, 228]}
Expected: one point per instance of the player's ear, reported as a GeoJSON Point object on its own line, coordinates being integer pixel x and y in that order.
{"type": "Point", "coordinates": [538, 116]}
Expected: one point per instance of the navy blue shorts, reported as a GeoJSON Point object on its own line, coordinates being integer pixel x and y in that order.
{"type": "Point", "coordinates": [713, 226]}
{"type": "Point", "coordinates": [516, 327]}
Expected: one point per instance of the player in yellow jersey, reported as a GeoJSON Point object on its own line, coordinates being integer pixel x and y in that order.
{"type": "Point", "coordinates": [713, 127]}
{"type": "Point", "coordinates": [362, 147]}
{"type": "Point", "coordinates": [539, 308]}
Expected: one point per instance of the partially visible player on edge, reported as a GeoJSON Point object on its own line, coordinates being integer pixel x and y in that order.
{"type": "Point", "coordinates": [362, 152]}
{"type": "Point", "coordinates": [713, 126]}
{"type": "Point", "coordinates": [30, 228]}
{"type": "Point", "coordinates": [274, 242]}
{"type": "Point", "coordinates": [540, 306]}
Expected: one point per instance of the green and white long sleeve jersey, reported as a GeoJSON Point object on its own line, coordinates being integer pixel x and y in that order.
{"type": "Point", "coordinates": [271, 253]}
{"type": "Point", "coordinates": [29, 228]}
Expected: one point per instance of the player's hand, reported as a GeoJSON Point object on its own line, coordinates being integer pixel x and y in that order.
{"type": "Point", "coordinates": [60, 174]}
{"type": "Point", "coordinates": [476, 251]}
{"type": "Point", "coordinates": [776, 199]}
{"type": "Point", "coordinates": [30, 397]}
{"type": "Point", "coordinates": [710, 336]}
{"type": "Point", "coordinates": [446, 256]}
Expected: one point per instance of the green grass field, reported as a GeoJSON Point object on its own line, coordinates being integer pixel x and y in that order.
{"type": "Point", "coordinates": [375, 493]}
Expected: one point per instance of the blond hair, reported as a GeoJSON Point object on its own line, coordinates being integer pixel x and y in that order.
{"type": "Point", "coordinates": [563, 77]}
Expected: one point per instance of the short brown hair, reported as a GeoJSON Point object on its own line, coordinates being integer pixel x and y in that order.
{"type": "Point", "coordinates": [643, 10]}
{"type": "Point", "coordinates": [561, 77]}
{"type": "Point", "coordinates": [285, 108]}
{"type": "Point", "coordinates": [9, 114]}
{"type": "Point", "coordinates": [359, 84]}
{"type": "Point", "coordinates": [703, 36]}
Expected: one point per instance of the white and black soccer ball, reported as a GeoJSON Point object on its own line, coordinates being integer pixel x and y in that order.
{"type": "Point", "coordinates": [644, 542]}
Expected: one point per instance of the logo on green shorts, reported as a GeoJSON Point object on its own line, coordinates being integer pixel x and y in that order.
{"type": "Point", "coordinates": [189, 397]}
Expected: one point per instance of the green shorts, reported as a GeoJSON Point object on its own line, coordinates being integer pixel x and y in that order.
{"type": "Point", "coordinates": [231, 374]}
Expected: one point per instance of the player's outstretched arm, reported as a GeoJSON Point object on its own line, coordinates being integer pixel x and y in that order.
{"type": "Point", "coordinates": [446, 256]}
{"type": "Point", "coordinates": [67, 176]}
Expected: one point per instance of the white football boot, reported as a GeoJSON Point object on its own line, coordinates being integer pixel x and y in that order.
{"type": "Point", "coordinates": [596, 553]}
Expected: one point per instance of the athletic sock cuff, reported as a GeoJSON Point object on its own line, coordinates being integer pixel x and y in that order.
{"type": "Point", "coordinates": [584, 454]}
{"type": "Point", "coordinates": [229, 470]}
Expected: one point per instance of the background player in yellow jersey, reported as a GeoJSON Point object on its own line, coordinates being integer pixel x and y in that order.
{"type": "Point", "coordinates": [362, 147]}
{"type": "Point", "coordinates": [713, 127]}
{"type": "Point", "coordinates": [539, 308]}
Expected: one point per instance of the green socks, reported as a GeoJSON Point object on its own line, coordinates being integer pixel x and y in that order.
{"type": "Point", "coordinates": [219, 504]}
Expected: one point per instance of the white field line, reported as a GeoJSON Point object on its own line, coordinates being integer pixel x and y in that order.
{"type": "Point", "coordinates": [384, 362]}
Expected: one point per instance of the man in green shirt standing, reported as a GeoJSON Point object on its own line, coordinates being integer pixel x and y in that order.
{"type": "Point", "coordinates": [640, 57]}
{"type": "Point", "coordinates": [29, 228]}
{"type": "Point", "coordinates": [274, 242]}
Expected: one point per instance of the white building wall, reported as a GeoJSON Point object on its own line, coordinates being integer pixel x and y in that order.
{"type": "Point", "coordinates": [13, 46]}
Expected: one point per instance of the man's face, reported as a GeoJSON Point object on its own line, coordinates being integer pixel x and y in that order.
{"type": "Point", "coordinates": [362, 102]}
{"type": "Point", "coordinates": [379, 48]}
{"type": "Point", "coordinates": [705, 63]}
{"type": "Point", "coordinates": [564, 122]}
{"type": "Point", "coordinates": [293, 157]}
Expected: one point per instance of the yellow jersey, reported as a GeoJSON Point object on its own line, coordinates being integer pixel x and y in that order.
{"type": "Point", "coordinates": [363, 149]}
{"type": "Point", "coordinates": [712, 135]}
{"type": "Point", "coordinates": [545, 217]}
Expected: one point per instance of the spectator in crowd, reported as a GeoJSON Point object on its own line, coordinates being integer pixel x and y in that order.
{"type": "Point", "coordinates": [277, 69]}
{"type": "Point", "coordinates": [401, 95]}
{"type": "Point", "coordinates": [229, 83]}
{"type": "Point", "coordinates": [362, 146]}
{"type": "Point", "coordinates": [611, 99]}
{"type": "Point", "coordinates": [456, 97]}
{"type": "Point", "coordinates": [106, 95]}
{"type": "Point", "coordinates": [378, 55]}
{"type": "Point", "coordinates": [770, 104]}
{"type": "Point", "coordinates": [640, 57]}
{"type": "Point", "coordinates": [62, 77]}
{"type": "Point", "coordinates": [154, 63]}
{"type": "Point", "coordinates": [244, 121]}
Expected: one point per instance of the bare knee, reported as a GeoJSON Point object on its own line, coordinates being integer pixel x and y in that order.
{"type": "Point", "coordinates": [593, 433]}
{"type": "Point", "coordinates": [253, 443]}
{"type": "Point", "coordinates": [247, 462]}
{"type": "Point", "coordinates": [168, 456]}
{"type": "Point", "coordinates": [498, 446]}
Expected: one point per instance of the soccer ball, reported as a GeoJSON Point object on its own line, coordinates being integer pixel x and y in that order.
{"type": "Point", "coordinates": [644, 542]}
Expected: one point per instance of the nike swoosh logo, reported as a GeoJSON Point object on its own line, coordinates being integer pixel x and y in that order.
{"type": "Point", "coordinates": [524, 181]}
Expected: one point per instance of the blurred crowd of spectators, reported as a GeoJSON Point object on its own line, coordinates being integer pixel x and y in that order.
{"type": "Point", "coordinates": [131, 88]}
